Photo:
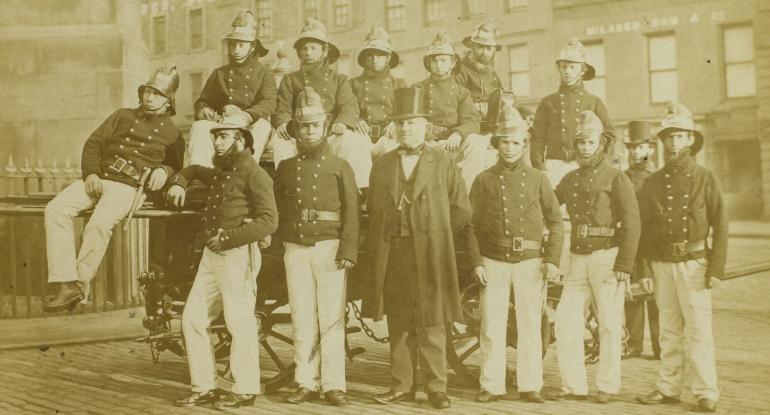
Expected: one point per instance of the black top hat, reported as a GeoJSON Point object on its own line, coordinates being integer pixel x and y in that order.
{"type": "Point", "coordinates": [409, 103]}
{"type": "Point", "coordinates": [640, 132]}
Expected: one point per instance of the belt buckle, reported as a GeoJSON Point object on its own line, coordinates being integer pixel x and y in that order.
{"type": "Point", "coordinates": [119, 164]}
{"type": "Point", "coordinates": [518, 244]}
{"type": "Point", "coordinates": [303, 215]}
{"type": "Point", "coordinates": [582, 231]}
{"type": "Point", "coordinates": [678, 249]}
{"type": "Point", "coordinates": [375, 131]}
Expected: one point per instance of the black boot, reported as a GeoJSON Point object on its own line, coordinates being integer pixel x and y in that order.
{"type": "Point", "coordinates": [67, 298]}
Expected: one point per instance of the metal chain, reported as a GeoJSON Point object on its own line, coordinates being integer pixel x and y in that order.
{"type": "Point", "coordinates": [367, 330]}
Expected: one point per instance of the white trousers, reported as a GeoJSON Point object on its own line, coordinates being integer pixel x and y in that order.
{"type": "Point", "coordinates": [349, 146]}
{"type": "Point", "coordinates": [471, 158]}
{"type": "Point", "coordinates": [684, 306]}
{"type": "Point", "coordinates": [200, 148]}
{"type": "Point", "coordinates": [109, 209]}
{"type": "Point", "coordinates": [590, 279]}
{"type": "Point", "coordinates": [556, 169]}
{"type": "Point", "coordinates": [225, 281]}
{"type": "Point", "coordinates": [317, 297]}
{"type": "Point", "coordinates": [525, 278]}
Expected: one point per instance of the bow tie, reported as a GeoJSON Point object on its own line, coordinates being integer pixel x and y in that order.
{"type": "Point", "coordinates": [408, 151]}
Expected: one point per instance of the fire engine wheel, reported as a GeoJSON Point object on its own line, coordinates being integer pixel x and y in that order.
{"type": "Point", "coordinates": [221, 344]}
{"type": "Point", "coordinates": [276, 343]}
{"type": "Point", "coordinates": [463, 342]}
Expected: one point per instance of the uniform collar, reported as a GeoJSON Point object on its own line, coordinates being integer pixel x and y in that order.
{"type": "Point", "coordinates": [433, 80]}
{"type": "Point", "coordinates": [372, 75]}
{"type": "Point", "coordinates": [578, 87]}
{"type": "Point", "coordinates": [503, 166]}
{"type": "Point", "coordinates": [682, 164]}
{"type": "Point", "coordinates": [144, 115]}
{"type": "Point", "coordinates": [315, 69]}
{"type": "Point", "coordinates": [248, 61]}
{"type": "Point", "coordinates": [315, 151]}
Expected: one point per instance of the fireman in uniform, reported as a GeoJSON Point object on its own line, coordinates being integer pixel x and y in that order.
{"type": "Point", "coordinates": [641, 148]}
{"type": "Point", "coordinates": [513, 203]}
{"type": "Point", "coordinates": [244, 88]}
{"type": "Point", "coordinates": [454, 117]}
{"type": "Point", "coordinates": [681, 207]}
{"type": "Point", "coordinates": [114, 157]}
{"type": "Point", "coordinates": [240, 211]}
{"type": "Point", "coordinates": [318, 207]}
{"type": "Point", "coordinates": [558, 115]}
{"type": "Point", "coordinates": [317, 54]}
{"type": "Point", "coordinates": [374, 91]}
{"type": "Point", "coordinates": [604, 236]}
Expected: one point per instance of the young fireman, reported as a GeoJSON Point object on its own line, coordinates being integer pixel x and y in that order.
{"type": "Point", "coordinates": [605, 232]}
{"type": "Point", "coordinates": [374, 91]}
{"type": "Point", "coordinates": [558, 115]}
{"type": "Point", "coordinates": [641, 148]}
{"type": "Point", "coordinates": [114, 158]}
{"type": "Point", "coordinates": [240, 211]}
{"type": "Point", "coordinates": [244, 89]}
{"type": "Point", "coordinates": [513, 204]}
{"type": "Point", "coordinates": [455, 119]}
{"type": "Point", "coordinates": [316, 54]}
{"type": "Point", "coordinates": [318, 209]}
{"type": "Point", "coordinates": [682, 206]}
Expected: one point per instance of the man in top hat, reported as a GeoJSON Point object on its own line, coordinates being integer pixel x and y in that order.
{"type": "Point", "coordinates": [243, 88]}
{"type": "Point", "coordinates": [641, 147]}
{"type": "Point", "coordinates": [513, 204]}
{"type": "Point", "coordinates": [115, 156]}
{"type": "Point", "coordinates": [604, 236]}
{"type": "Point", "coordinates": [557, 116]}
{"type": "Point", "coordinates": [374, 90]}
{"type": "Point", "coordinates": [316, 54]}
{"type": "Point", "coordinates": [240, 211]}
{"type": "Point", "coordinates": [477, 68]}
{"type": "Point", "coordinates": [455, 119]}
{"type": "Point", "coordinates": [681, 207]}
{"type": "Point", "coordinates": [318, 209]}
{"type": "Point", "coordinates": [418, 202]}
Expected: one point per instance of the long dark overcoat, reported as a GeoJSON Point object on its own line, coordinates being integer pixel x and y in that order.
{"type": "Point", "coordinates": [439, 210]}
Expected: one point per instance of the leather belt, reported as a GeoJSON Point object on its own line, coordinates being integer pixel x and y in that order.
{"type": "Point", "coordinates": [684, 248]}
{"type": "Point", "coordinates": [519, 244]}
{"type": "Point", "coordinates": [585, 231]}
{"type": "Point", "coordinates": [376, 129]}
{"type": "Point", "coordinates": [311, 215]}
{"type": "Point", "coordinates": [122, 165]}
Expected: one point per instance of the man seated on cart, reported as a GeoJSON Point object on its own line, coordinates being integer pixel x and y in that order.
{"type": "Point", "coordinates": [240, 211]}
{"type": "Point", "coordinates": [318, 209]}
{"type": "Point", "coordinates": [513, 204]}
{"type": "Point", "coordinates": [129, 144]}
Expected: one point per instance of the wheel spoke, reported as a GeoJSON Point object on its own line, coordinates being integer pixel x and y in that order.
{"type": "Point", "coordinates": [470, 351]}
{"type": "Point", "coordinates": [273, 356]}
{"type": "Point", "coordinates": [281, 337]}
{"type": "Point", "coordinates": [463, 336]}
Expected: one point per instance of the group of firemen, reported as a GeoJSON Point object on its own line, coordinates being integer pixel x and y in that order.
{"type": "Point", "coordinates": [433, 179]}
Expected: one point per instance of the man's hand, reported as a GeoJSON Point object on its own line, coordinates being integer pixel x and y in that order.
{"type": "Point", "coordinates": [622, 276]}
{"type": "Point", "coordinates": [265, 242]}
{"type": "Point", "coordinates": [453, 142]}
{"type": "Point", "coordinates": [646, 284]}
{"type": "Point", "coordinates": [157, 179]}
{"type": "Point", "coordinates": [234, 112]}
{"type": "Point", "coordinates": [206, 113]}
{"type": "Point", "coordinates": [712, 282]}
{"type": "Point", "coordinates": [338, 128]}
{"type": "Point", "coordinates": [282, 131]}
{"type": "Point", "coordinates": [214, 244]}
{"type": "Point", "coordinates": [93, 185]}
{"type": "Point", "coordinates": [343, 263]}
{"type": "Point", "coordinates": [550, 271]}
{"type": "Point", "coordinates": [363, 128]}
{"type": "Point", "coordinates": [175, 195]}
{"type": "Point", "coordinates": [480, 274]}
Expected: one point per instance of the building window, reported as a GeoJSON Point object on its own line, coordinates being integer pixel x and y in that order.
{"type": "Point", "coordinates": [311, 9]}
{"type": "Point", "coordinates": [473, 8]}
{"type": "Point", "coordinates": [434, 11]}
{"type": "Point", "coordinates": [195, 28]}
{"type": "Point", "coordinates": [159, 35]}
{"type": "Point", "coordinates": [264, 18]}
{"type": "Point", "coordinates": [196, 85]}
{"type": "Point", "coordinates": [342, 13]}
{"type": "Point", "coordinates": [595, 57]}
{"type": "Point", "coordinates": [664, 84]}
{"type": "Point", "coordinates": [518, 57]}
{"type": "Point", "coordinates": [396, 15]}
{"type": "Point", "coordinates": [511, 5]}
{"type": "Point", "coordinates": [740, 76]}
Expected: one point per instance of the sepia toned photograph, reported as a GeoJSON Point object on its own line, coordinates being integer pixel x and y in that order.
{"type": "Point", "coordinates": [384, 206]}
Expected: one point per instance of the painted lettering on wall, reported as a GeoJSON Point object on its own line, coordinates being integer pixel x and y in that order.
{"type": "Point", "coordinates": [655, 22]}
